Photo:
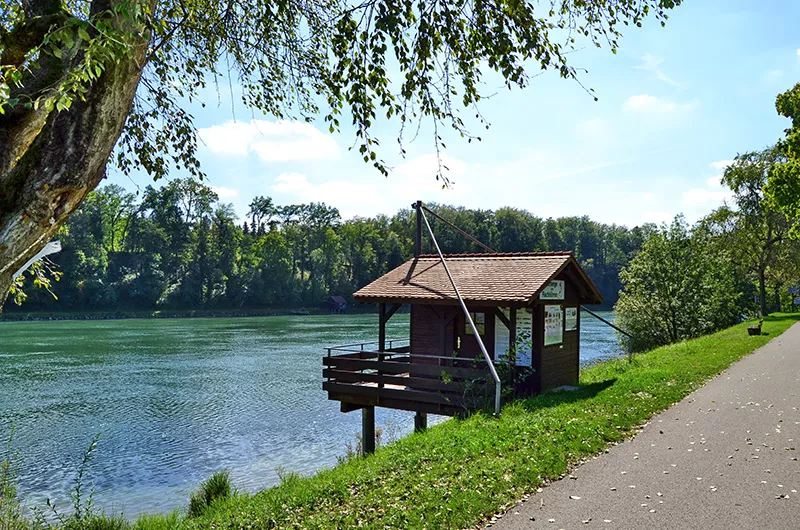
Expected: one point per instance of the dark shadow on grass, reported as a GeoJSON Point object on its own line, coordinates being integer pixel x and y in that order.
{"type": "Point", "coordinates": [552, 399]}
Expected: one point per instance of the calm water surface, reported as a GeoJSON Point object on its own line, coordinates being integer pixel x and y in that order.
{"type": "Point", "coordinates": [175, 400]}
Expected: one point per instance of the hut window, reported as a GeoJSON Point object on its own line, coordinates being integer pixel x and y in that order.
{"type": "Point", "coordinates": [479, 317]}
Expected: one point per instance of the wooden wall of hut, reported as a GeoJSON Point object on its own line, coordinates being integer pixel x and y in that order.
{"type": "Point", "coordinates": [557, 364]}
{"type": "Point", "coordinates": [441, 330]}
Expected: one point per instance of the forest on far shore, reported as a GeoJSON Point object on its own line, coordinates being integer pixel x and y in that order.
{"type": "Point", "coordinates": [178, 247]}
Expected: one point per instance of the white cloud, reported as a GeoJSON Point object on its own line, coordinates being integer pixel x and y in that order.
{"type": "Point", "coordinates": [798, 52]}
{"type": "Point", "coordinates": [586, 169]}
{"type": "Point", "coordinates": [424, 168]}
{"type": "Point", "coordinates": [291, 183]}
{"type": "Point", "coordinates": [224, 192]}
{"type": "Point", "coordinates": [720, 165]}
{"type": "Point", "coordinates": [700, 196]}
{"type": "Point", "coordinates": [592, 127]}
{"type": "Point", "coordinates": [280, 141]}
{"type": "Point", "coordinates": [371, 194]}
{"type": "Point", "coordinates": [658, 217]}
{"type": "Point", "coordinates": [535, 166]}
{"type": "Point", "coordinates": [774, 75]}
{"type": "Point", "coordinates": [339, 193]}
{"type": "Point", "coordinates": [645, 103]}
{"type": "Point", "coordinates": [713, 194]}
{"type": "Point", "coordinates": [651, 63]}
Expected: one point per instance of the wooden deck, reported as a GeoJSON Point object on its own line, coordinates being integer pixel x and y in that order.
{"type": "Point", "coordinates": [399, 379]}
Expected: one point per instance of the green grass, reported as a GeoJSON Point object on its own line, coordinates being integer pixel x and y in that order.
{"type": "Point", "coordinates": [216, 487]}
{"type": "Point", "coordinates": [463, 471]}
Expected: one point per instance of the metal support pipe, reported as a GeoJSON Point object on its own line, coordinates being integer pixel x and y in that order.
{"type": "Point", "coordinates": [604, 321]}
{"type": "Point", "coordinates": [418, 240]}
{"type": "Point", "coordinates": [468, 317]}
{"type": "Point", "coordinates": [457, 229]}
{"type": "Point", "coordinates": [628, 336]}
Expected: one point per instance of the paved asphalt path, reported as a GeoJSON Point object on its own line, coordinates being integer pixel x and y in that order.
{"type": "Point", "coordinates": [726, 457]}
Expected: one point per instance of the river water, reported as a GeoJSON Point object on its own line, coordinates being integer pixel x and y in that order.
{"type": "Point", "coordinates": [175, 400]}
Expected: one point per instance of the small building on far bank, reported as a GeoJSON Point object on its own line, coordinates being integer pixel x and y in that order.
{"type": "Point", "coordinates": [336, 304]}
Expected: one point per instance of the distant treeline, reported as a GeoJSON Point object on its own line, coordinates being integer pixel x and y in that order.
{"type": "Point", "coordinates": [179, 247]}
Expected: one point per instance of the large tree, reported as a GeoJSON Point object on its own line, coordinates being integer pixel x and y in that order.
{"type": "Point", "coordinates": [783, 188]}
{"type": "Point", "coordinates": [78, 77]}
{"type": "Point", "coordinates": [751, 228]}
{"type": "Point", "coordinates": [675, 288]}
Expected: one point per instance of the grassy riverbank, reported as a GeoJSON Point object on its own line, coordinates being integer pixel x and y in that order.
{"type": "Point", "coordinates": [462, 472]}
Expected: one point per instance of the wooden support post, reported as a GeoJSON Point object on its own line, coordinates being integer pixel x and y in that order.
{"type": "Point", "coordinates": [382, 327]}
{"type": "Point", "coordinates": [368, 430]}
{"type": "Point", "coordinates": [381, 337]}
{"type": "Point", "coordinates": [420, 421]}
{"type": "Point", "coordinates": [512, 332]}
{"type": "Point", "coordinates": [512, 346]}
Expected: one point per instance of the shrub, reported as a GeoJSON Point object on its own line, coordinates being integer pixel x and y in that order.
{"type": "Point", "coordinates": [676, 288]}
{"type": "Point", "coordinates": [217, 486]}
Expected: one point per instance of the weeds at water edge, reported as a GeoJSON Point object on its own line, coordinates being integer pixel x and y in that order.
{"type": "Point", "coordinates": [11, 517]}
{"type": "Point", "coordinates": [217, 486]}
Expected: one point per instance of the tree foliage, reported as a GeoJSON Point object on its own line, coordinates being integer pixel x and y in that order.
{"type": "Point", "coordinates": [76, 76]}
{"type": "Point", "coordinates": [295, 58]}
{"type": "Point", "coordinates": [179, 248]}
{"type": "Point", "coordinates": [688, 282]}
{"type": "Point", "coordinates": [752, 229]}
{"type": "Point", "coordinates": [677, 287]}
{"type": "Point", "coordinates": [783, 187]}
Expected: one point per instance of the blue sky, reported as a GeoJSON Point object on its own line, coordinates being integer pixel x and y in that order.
{"type": "Point", "coordinates": [674, 105]}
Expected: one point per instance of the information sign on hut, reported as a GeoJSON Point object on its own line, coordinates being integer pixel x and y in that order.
{"type": "Point", "coordinates": [570, 319]}
{"type": "Point", "coordinates": [517, 302]}
{"type": "Point", "coordinates": [553, 291]}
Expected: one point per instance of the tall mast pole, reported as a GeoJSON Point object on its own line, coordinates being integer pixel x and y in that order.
{"type": "Point", "coordinates": [418, 241]}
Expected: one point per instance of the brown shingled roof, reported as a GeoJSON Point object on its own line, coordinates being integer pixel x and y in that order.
{"type": "Point", "coordinates": [514, 278]}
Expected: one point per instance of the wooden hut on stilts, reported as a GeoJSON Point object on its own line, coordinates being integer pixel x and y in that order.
{"type": "Point", "coordinates": [471, 314]}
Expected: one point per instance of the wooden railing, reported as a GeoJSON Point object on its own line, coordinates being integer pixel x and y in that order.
{"type": "Point", "coordinates": [398, 378]}
{"type": "Point", "coordinates": [362, 346]}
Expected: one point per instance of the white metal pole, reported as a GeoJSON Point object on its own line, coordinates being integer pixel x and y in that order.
{"type": "Point", "coordinates": [468, 317]}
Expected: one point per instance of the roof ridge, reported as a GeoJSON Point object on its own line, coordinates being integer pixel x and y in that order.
{"type": "Point", "coordinates": [501, 254]}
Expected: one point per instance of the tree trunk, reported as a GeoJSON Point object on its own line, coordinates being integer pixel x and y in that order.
{"type": "Point", "coordinates": [762, 293]}
{"type": "Point", "coordinates": [59, 157]}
